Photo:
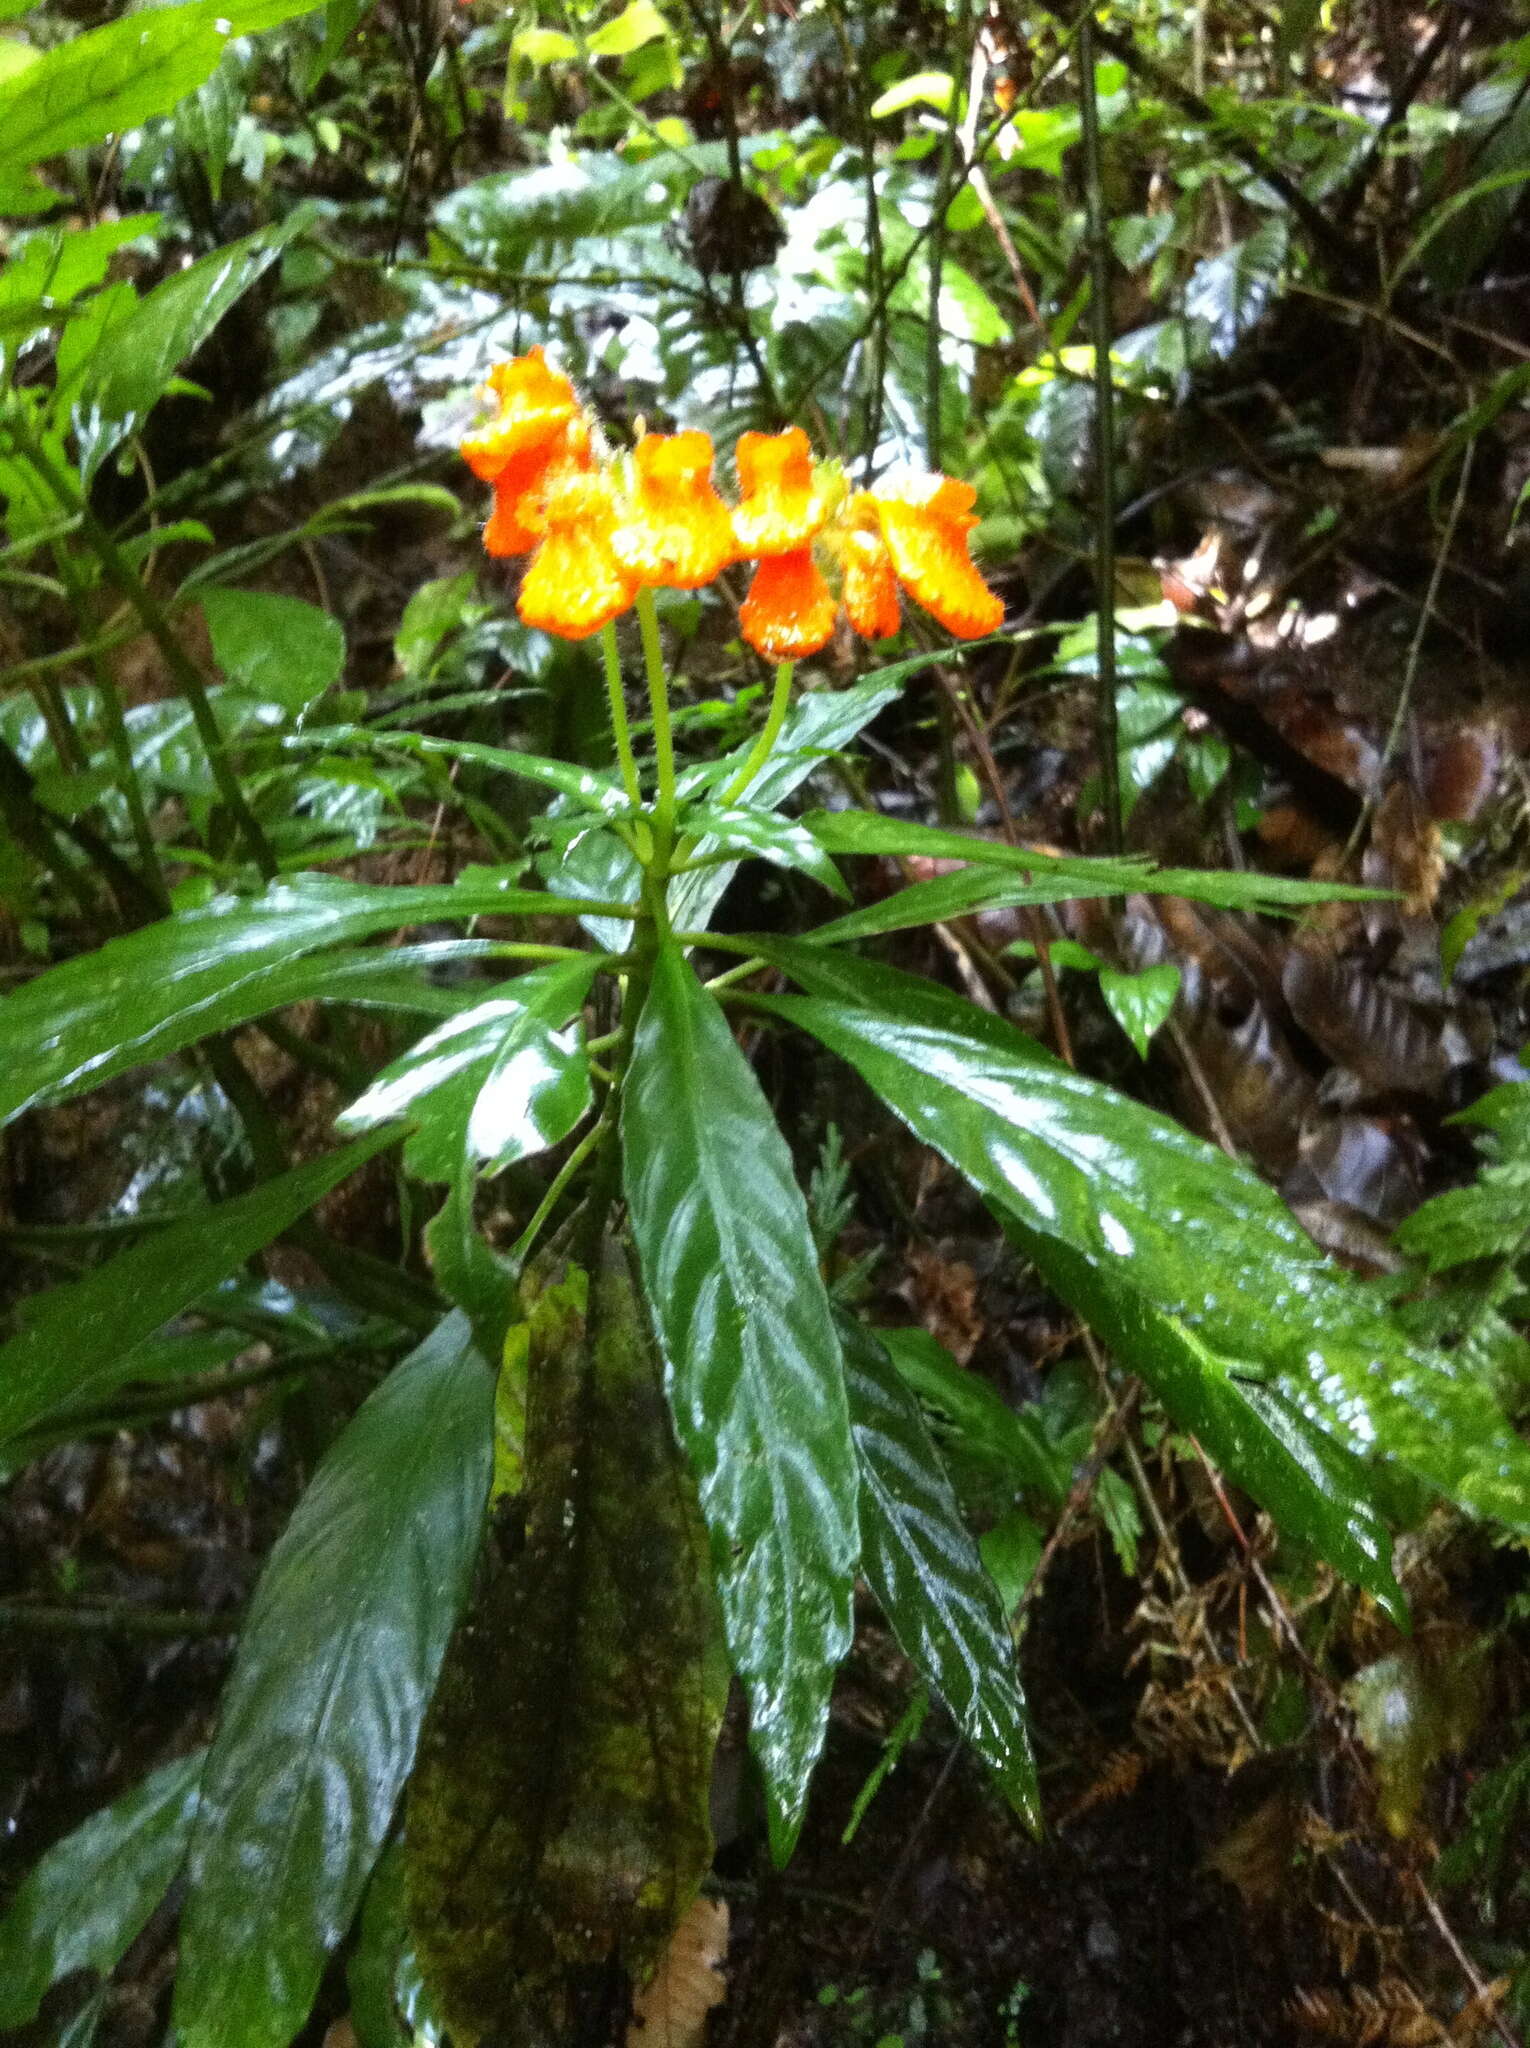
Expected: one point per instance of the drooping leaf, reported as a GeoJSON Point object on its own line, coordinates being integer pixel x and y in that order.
{"type": "Point", "coordinates": [85, 1902]}
{"type": "Point", "coordinates": [921, 1562]}
{"type": "Point", "coordinates": [320, 1719]}
{"type": "Point", "coordinates": [159, 989]}
{"type": "Point", "coordinates": [278, 649]}
{"type": "Point", "coordinates": [1195, 1234]}
{"type": "Point", "coordinates": [1312, 1487]}
{"type": "Point", "coordinates": [1141, 1002]}
{"type": "Point", "coordinates": [78, 1342]}
{"type": "Point", "coordinates": [756, 1380]}
{"type": "Point", "coordinates": [559, 1813]}
{"type": "Point", "coordinates": [499, 1081]}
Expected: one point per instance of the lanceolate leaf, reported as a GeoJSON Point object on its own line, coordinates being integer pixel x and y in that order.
{"type": "Point", "coordinates": [83, 1905]}
{"type": "Point", "coordinates": [321, 1716]}
{"type": "Point", "coordinates": [921, 1562]}
{"type": "Point", "coordinates": [745, 829]}
{"type": "Point", "coordinates": [161, 988]}
{"type": "Point", "coordinates": [78, 1341]}
{"type": "Point", "coordinates": [501, 1079]}
{"type": "Point", "coordinates": [1311, 1486]}
{"type": "Point", "coordinates": [756, 1380]}
{"type": "Point", "coordinates": [1195, 1234]}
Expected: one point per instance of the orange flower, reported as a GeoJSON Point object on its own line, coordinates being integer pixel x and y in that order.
{"type": "Point", "coordinates": [870, 581]}
{"type": "Point", "coordinates": [574, 583]}
{"type": "Point", "coordinates": [781, 504]}
{"type": "Point", "coordinates": [790, 610]}
{"type": "Point", "coordinates": [515, 489]}
{"type": "Point", "coordinates": [536, 404]}
{"type": "Point", "coordinates": [925, 522]}
{"type": "Point", "coordinates": [677, 531]}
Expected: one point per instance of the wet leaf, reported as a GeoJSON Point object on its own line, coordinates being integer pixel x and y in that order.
{"type": "Point", "coordinates": [278, 649]}
{"type": "Point", "coordinates": [110, 79]}
{"type": "Point", "coordinates": [127, 376]}
{"type": "Point", "coordinates": [79, 1341]}
{"type": "Point", "coordinates": [1141, 1003]}
{"type": "Point", "coordinates": [1194, 1234]}
{"type": "Point", "coordinates": [745, 828]}
{"type": "Point", "coordinates": [1490, 1217]}
{"type": "Point", "coordinates": [558, 1816]}
{"type": "Point", "coordinates": [922, 1563]}
{"type": "Point", "coordinates": [85, 1902]}
{"type": "Point", "coordinates": [498, 1081]}
{"type": "Point", "coordinates": [320, 1718]}
{"type": "Point", "coordinates": [161, 988]}
{"type": "Point", "coordinates": [986, 1421]}
{"type": "Point", "coordinates": [1310, 1486]}
{"type": "Point", "coordinates": [756, 1382]}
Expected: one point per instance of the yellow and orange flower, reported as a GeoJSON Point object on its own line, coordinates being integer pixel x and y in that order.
{"type": "Point", "coordinates": [598, 532]}
{"type": "Point", "coordinates": [575, 583]}
{"type": "Point", "coordinates": [911, 531]}
{"type": "Point", "coordinates": [676, 531]}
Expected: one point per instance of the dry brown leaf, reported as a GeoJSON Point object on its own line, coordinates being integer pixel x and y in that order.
{"type": "Point", "coordinates": [671, 2009]}
{"type": "Point", "coordinates": [943, 1294]}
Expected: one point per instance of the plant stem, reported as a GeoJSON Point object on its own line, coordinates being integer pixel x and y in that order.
{"type": "Point", "coordinates": [1104, 442]}
{"type": "Point", "coordinates": [760, 753]}
{"type": "Point", "coordinates": [663, 737]}
{"type": "Point", "coordinates": [620, 730]}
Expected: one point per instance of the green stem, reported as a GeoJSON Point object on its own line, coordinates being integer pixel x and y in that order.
{"type": "Point", "coordinates": [589, 1143]}
{"type": "Point", "coordinates": [155, 623]}
{"type": "Point", "coordinates": [663, 737]}
{"type": "Point", "coordinates": [117, 736]}
{"type": "Point", "coordinates": [620, 730]}
{"type": "Point", "coordinates": [780, 702]}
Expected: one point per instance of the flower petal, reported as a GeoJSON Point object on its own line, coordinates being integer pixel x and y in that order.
{"type": "Point", "coordinates": [536, 403]}
{"type": "Point", "coordinates": [790, 610]}
{"type": "Point", "coordinates": [870, 581]}
{"type": "Point", "coordinates": [574, 584]}
{"type": "Point", "coordinates": [678, 531]}
{"type": "Point", "coordinates": [925, 522]}
{"type": "Point", "coordinates": [780, 505]}
{"type": "Point", "coordinates": [516, 523]}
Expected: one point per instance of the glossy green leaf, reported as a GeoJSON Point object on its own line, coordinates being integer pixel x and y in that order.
{"type": "Point", "coordinates": [159, 989]}
{"type": "Point", "coordinates": [558, 1815]}
{"type": "Point", "coordinates": [1310, 1485]}
{"type": "Point", "coordinates": [320, 1718]}
{"type": "Point", "coordinates": [85, 1902]}
{"type": "Point", "coordinates": [1195, 1234]}
{"type": "Point", "coordinates": [112, 78]}
{"type": "Point", "coordinates": [1141, 1003]}
{"type": "Point", "coordinates": [978, 1411]}
{"type": "Point", "coordinates": [371, 1974]}
{"type": "Point", "coordinates": [466, 1267]}
{"type": "Point", "coordinates": [998, 875]}
{"type": "Point", "coordinates": [278, 649]}
{"type": "Point", "coordinates": [756, 1380]}
{"type": "Point", "coordinates": [816, 727]}
{"type": "Point", "coordinates": [131, 371]}
{"type": "Point", "coordinates": [501, 1079]}
{"type": "Point", "coordinates": [743, 828]}
{"type": "Point", "coordinates": [78, 1342]}
{"type": "Point", "coordinates": [920, 1560]}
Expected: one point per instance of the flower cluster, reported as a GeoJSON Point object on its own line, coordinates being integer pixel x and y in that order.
{"type": "Point", "coordinates": [599, 531]}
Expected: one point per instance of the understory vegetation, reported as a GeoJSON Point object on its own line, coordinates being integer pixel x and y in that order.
{"type": "Point", "coordinates": [764, 1123]}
